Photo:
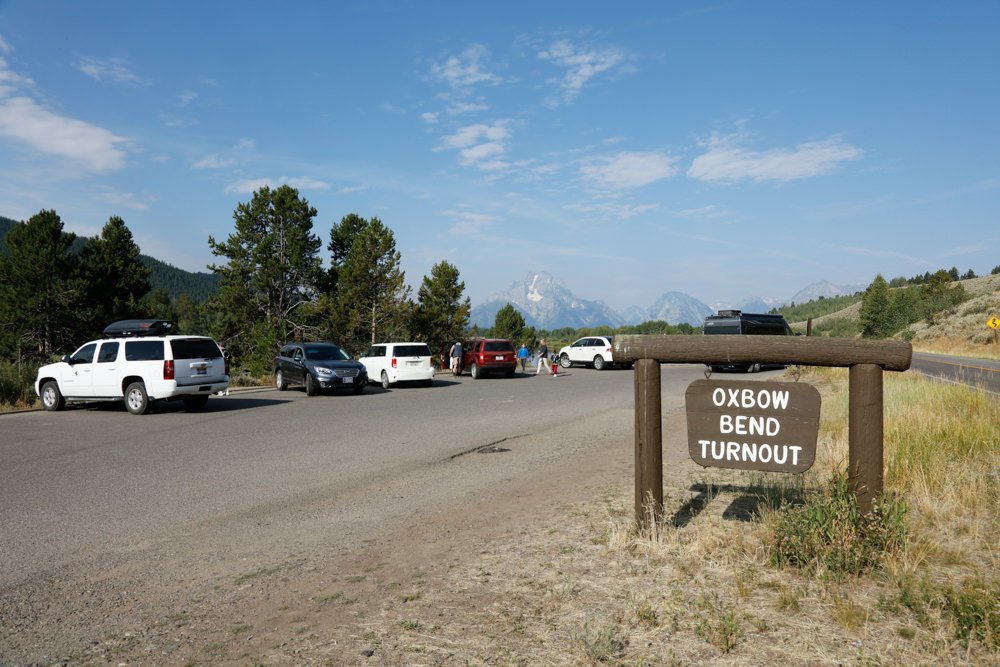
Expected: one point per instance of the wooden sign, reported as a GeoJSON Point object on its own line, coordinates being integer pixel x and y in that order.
{"type": "Point", "coordinates": [766, 426]}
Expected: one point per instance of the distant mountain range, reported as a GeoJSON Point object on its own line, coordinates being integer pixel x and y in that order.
{"type": "Point", "coordinates": [546, 304]}
{"type": "Point", "coordinates": [541, 299]}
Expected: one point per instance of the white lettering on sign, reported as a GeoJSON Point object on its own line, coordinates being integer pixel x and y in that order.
{"type": "Point", "coordinates": [723, 450]}
{"type": "Point", "coordinates": [747, 425]}
{"type": "Point", "coordinates": [748, 398]}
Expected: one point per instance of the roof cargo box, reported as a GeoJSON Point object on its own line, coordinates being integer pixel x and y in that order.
{"type": "Point", "coordinates": [139, 328]}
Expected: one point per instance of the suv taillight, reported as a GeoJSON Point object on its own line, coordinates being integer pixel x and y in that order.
{"type": "Point", "coordinates": [168, 370]}
{"type": "Point", "coordinates": [394, 362]}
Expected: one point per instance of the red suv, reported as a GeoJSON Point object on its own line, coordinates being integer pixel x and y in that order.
{"type": "Point", "coordinates": [488, 355]}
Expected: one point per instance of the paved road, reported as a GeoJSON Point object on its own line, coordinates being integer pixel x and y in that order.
{"type": "Point", "coordinates": [981, 373]}
{"type": "Point", "coordinates": [255, 469]}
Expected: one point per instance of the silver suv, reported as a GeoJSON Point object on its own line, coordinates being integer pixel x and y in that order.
{"type": "Point", "coordinates": [136, 363]}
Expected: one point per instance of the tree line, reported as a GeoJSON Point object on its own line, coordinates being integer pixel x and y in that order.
{"type": "Point", "coordinates": [272, 286]}
{"type": "Point", "coordinates": [885, 311]}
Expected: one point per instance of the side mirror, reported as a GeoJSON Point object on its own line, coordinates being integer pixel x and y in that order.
{"type": "Point", "coordinates": [66, 359]}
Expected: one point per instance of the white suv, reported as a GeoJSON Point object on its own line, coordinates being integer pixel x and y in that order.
{"type": "Point", "coordinates": [591, 351]}
{"type": "Point", "coordinates": [136, 363]}
{"type": "Point", "coordinates": [399, 362]}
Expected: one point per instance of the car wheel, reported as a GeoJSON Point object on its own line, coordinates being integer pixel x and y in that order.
{"type": "Point", "coordinates": [564, 361]}
{"type": "Point", "coordinates": [136, 399]}
{"type": "Point", "coordinates": [194, 403]}
{"type": "Point", "coordinates": [598, 363]}
{"type": "Point", "coordinates": [279, 381]}
{"type": "Point", "coordinates": [429, 383]}
{"type": "Point", "coordinates": [385, 380]}
{"type": "Point", "coordinates": [52, 399]}
{"type": "Point", "coordinates": [359, 388]}
{"type": "Point", "coordinates": [510, 373]}
{"type": "Point", "coordinates": [474, 371]}
{"type": "Point", "coordinates": [311, 387]}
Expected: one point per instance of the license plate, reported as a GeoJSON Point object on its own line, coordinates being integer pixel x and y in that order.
{"type": "Point", "coordinates": [348, 380]}
{"type": "Point", "coordinates": [201, 371]}
{"type": "Point", "coordinates": [412, 363]}
{"type": "Point", "coordinates": [499, 357]}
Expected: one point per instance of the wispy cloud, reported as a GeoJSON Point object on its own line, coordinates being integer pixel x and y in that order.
{"type": "Point", "coordinates": [113, 70]}
{"type": "Point", "coordinates": [249, 185]}
{"type": "Point", "coordinates": [628, 170]}
{"type": "Point", "coordinates": [186, 97]}
{"type": "Point", "coordinates": [465, 70]}
{"type": "Point", "coordinates": [26, 122]}
{"type": "Point", "coordinates": [727, 161]}
{"type": "Point", "coordinates": [214, 161]}
{"type": "Point", "coordinates": [4, 46]}
{"type": "Point", "coordinates": [479, 145]}
{"type": "Point", "coordinates": [429, 117]}
{"type": "Point", "coordinates": [582, 64]}
{"type": "Point", "coordinates": [612, 210]}
{"type": "Point", "coordinates": [124, 200]}
{"type": "Point", "coordinates": [468, 223]}
{"type": "Point", "coordinates": [352, 189]}
{"type": "Point", "coordinates": [389, 107]}
{"type": "Point", "coordinates": [227, 158]}
{"type": "Point", "coordinates": [710, 211]}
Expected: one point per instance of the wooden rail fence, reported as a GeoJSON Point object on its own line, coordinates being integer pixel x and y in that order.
{"type": "Point", "coordinates": [866, 360]}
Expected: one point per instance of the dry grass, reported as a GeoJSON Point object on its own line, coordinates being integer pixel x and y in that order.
{"type": "Point", "coordinates": [591, 589]}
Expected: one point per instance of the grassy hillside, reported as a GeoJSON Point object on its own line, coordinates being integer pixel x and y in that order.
{"type": "Point", "coordinates": [959, 330]}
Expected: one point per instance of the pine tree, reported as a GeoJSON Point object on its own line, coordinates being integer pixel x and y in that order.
{"type": "Point", "coordinates": [272, 274]}
{"type": "Point", "coordinates": [441, 313]}
{"type": "Point", "coordinates": [509, 323]}
{"type": "Point", "coordinates": [114, 278]}
{"type": "Point", "coordinates": [876, 315]}
{"type": "Point", "coordinates": [372, 297]}
{"type": "Point", "coordinates": [39, 294]}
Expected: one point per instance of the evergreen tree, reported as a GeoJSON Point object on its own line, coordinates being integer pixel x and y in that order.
{"type": "Point", "coordinates": [114, 278]}
{"type": "Point", "coordinates": [372, 297]}
{"type": "Point", "coordinates": [441, 314]}
{"type": "Point", "coordinates": [39, 293]}
{"type": "Point", "coordinates": [876, 316]}
{"type": "Point", "coordinates": [509, 323]}
{"type": "Point", "coordinates": [273, 270]}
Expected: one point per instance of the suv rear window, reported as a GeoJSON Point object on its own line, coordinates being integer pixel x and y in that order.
{"type": "Point", "coordinates": [498, 346]}
{"type": "Point", "coordinates": [144, 350]}
{"type": "Point", "coordinates": [195, 348]}
{"type": "Point", "coordinates": [411, 351]}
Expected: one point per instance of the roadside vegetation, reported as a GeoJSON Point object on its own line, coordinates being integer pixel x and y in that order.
{"type": "Point", "coordinates": [747, 568]}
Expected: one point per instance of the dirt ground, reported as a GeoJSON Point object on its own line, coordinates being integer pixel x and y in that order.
{"type": "Point", "coordinates": [532, 572]}
{"type": "Point", "coordinates": [309, 608]}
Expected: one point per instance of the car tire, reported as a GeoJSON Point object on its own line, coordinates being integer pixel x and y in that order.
{"type": "Point", "coordinates": [52, 398]}
{"type": "Point", "coordinates": [360, 388]}
{"type": "Point", "coordinates": [279, 381]}
{"type": "Point", "coordinates": [385, 380]}
{"type": "Point", "coordinates": [311, 387]}
{"type": "Point", "coordinates": [564, 361]}
{"type": "Point", "coordinates": [194, 403]}
{"type": "Point", "coordinates": [599, 363]}
{"type": "Point", "coordinates": [428, 383]}
{"type": "Point", "coordinates": [136, 398]}
{"type": "Point", "coordinates": [474, 371]}
{"type": "Point", "coordinates": [510, 373]}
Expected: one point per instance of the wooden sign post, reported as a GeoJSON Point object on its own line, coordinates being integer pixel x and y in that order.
{"type": "Point", "coordinates": [866, 359]}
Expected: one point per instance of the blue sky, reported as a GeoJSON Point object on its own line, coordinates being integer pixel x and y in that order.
{"type": "Point", "coordinates": [721, 149]}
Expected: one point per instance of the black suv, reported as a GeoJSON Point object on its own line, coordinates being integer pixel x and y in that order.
{"type": "Point", "coordinates": [318, 366]}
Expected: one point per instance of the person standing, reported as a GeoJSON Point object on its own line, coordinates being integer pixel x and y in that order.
{"type": "Point", "coordinates": [522, 355]}
{"type": "Point", "coordinates": [456, 358]}
{"type": "Point", "coordinates": [543, 358]}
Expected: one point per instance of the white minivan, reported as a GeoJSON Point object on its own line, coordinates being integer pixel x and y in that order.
{"type": "Point", "coordinates": [390, 363]}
